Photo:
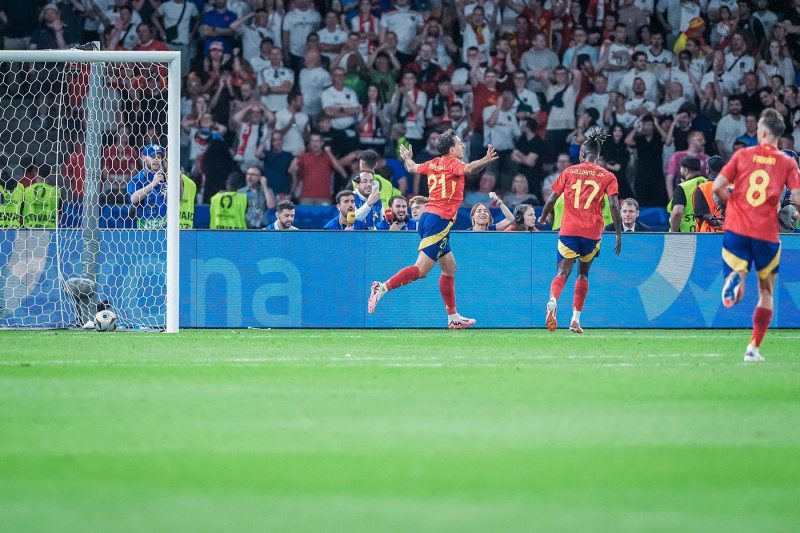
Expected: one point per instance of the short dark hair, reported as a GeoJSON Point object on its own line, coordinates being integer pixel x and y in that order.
{"type": "Point", "coordinates": [446, 141]}
{"type": "Point", "coordinates": [648, 118]}
{"type": "Point", "coordinates": [773, 122]}
{"type": "Point", "coordinates": [639, 54]}
{"type": "Point", "coordinates": [342, 194]}
{"type": "Point", "coordinates": [630, 201]}
{"type": "Point", "coordinates": [397, 197]}
{"type": "Point", "coordinates": [767, 90]}
{"type": "Point", "coordinates": [369, 158]}
{"type": "Point", "coordinates": [620, 24]}
{"type": "Point", "coordinates": [284, 205]}
{"type": "Point", "coordinates": [687, 107]}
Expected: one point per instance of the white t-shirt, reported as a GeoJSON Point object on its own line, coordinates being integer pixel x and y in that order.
{"type": "Point", "coordinates": [337, 36]}
{"type": "Point", "coordinates": [404, 22]}
{"type": "Point", "coordinates": [676, 74]}
{"type": "Point", "coordinates": [312, 82]}
{"type": "Point", "coordinates": [368, 24]}
{"type": "Point", "coordinates": [728, 129]}
{"type": "Point", "coordinates": [562, 118]}
{"type": "Point", "coordinates": [726, 82]}
{"type": "Point", "coordinates": [292, 139]}
{"type": "Point", "coordinates": [659, 64]}
{"type": "Point", "coordinates": [414, 122]}
{"type": "Point", "coordinates": [470, 38]}
{"type": "Point", "coordinates": [527, 97]}
{"type": "Point", "coordinates": [300, 24]}
{"type": "Point", "coordinates": [275, 78]}
{"type": "Point", "coordinates": [673, 10]}
{"type": "Point", "coordinates": [505, 130]}
{"type": "Point", "coordinates": [488, 10]}
{"type": "Point", "coordinates": [251, 40]}
{"type": "Point", "coordinates": [768, 20]}
{"type": "Point", "coordinates": [737, 66]}
{"type": "Point", "coordinates": [172, 12]}
{"type": "Point", "coordinates": [650, 84]}
{"type": "Point", "coordinates": [671, 108]}
{"type": "Point", "coordinates": [345, 98]}
{"type": "Point", "coordinates": [249, 136]}
{"type": "Point", "coordinates": [619, 55]}
{"type": "Point", "coordinates": [595, 101]}
{"type": "Point", "coordinates": [634, 103]}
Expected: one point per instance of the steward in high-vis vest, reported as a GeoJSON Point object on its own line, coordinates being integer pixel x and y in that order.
{"type": "Point", "coordinates": [707, 210]}
{"type": "Point", "coordinates": [42, 200]}
{"type": "Point", "coordinates": [188, 196]}
{"type": "Point", "coordinates": [228, 208]}
{"type": "Point", "coordinates": [681, 207]}
{"type": "Point", "coordinates": [12, 195]}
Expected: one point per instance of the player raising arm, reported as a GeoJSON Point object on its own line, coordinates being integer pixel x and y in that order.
{"type": "Point", "coordinates": [583, 186]}
{"type": "Point", "coordinates": [446, 185]}
{"type": "Point", "coordinates": [751, 226]}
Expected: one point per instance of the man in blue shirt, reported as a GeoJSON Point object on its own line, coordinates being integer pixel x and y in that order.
{"type": "Point", "coordinates": [346, 204]}
{"type": "Point", "coordinates": [397, 218]}
{"type": "Point", "coordinates": [216, 26]}
{"type": "Point", "coordinates": [147, 190]}
{"type": "Point", "coordinates": [369, 208]}
{"type": "Point", "coordinates": [284, 213]}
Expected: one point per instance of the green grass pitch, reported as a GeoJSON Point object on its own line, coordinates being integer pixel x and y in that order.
{"type": "Point", "coordinates": [417, 431]}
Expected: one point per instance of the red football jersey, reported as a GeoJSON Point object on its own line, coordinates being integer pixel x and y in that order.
{"type": "Point", "coordinates": [583, 186]}
{"type": "Point", "coordinates": [759, 174]}
{"type": "Point", "coordinates": [445, 185]}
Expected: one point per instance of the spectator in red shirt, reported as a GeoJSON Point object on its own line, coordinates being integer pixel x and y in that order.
{"type": "Point", "coordinates": [484, 94]}
{"type": "Point", "coordinates": [312, 173]}
{"type": "Point", "coordinates": [147, 41]}
{"type": "Point", "coordinates": [427, 72]}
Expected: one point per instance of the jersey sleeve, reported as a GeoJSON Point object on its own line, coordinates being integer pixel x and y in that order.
{"type": "Point", "coordinates": [731, 168]}
{"type": "Point", "coordinates": [422, 168]}
{"type": "Point", "coordinates": [612, 187]}
{"type": "Point", "coordinates": [457, 169]}
{"type": "Point", "coordinates": [793, 182]}
{"type": "Point", "coordinates": [558, 185]}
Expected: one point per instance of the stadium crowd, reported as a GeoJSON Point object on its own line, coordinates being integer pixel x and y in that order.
{"type": "Point", "coordinates": [294, 102]}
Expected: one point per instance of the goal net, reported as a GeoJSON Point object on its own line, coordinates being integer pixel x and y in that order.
{"type": "Point", "coordinates": [80, 133]}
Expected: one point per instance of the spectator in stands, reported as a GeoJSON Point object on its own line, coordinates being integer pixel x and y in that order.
{"type": "Point", "coordinates": [252, 125]}
{"type": "Point", "coordinates": [580, 39]}
{"type": "Point", "coordinates": [476, 30]}
{"type": "Point", "coordinates": [400, 217]}
{"type": "Point", "coordinates": [147, 190]}
{"type": "Point", "coordinates": [20, 23]}
{"type": "Point", "coordinates": [695, 149]}
{"type": "Point", "coordinates": [201, 132]}
{"type": "Point", "coordinates": [366, 25]}
{"type": "Point", "coordinates": [346, 204]}
{"type": "Point", "coordinates": [749, 137]}
{"type": "Point", "coordinates": [216, 26]}
{"type": "Point", "coordinates": [640, 72]}
{"type": "Point", "coordinates": [373, 124]}
{"type": "Point", "coordinates": [561, 95]}
{"type": "Point", "coordinates": [408, 107]}
{"type": "Point", "coordinates": [293, 124]}
{"type": "Point", "coordinates": [313, 80]}
{"type": "Point", "coordinates": [501, 130]}
{"type": "Point", "coordinates": [526, 103]}
{"type": "Point", "coordinates": [658, 59]}
{"type": "Point", "coordinates": [417, 206]}
{"type": "Point", "coordinates": [342, 106]}
{"type": "Point", "coordinates": [427, 72]}
{"type": "Point", "coordinates": [406, 24]}
{"type": "Point", "coordinates": [119, 163]}
{"type": "Point", "coordinates": [526, 154]}
{"type": "Point", "coordinates": [629, 212]}
{"type": "Point", "coordinates": [260, 198]}
{"type": "Point", "coordinates": [519, 193]}
{"type": "Point", "coordinates": [597, 99]}
{"type": "Point", "coordinates": [53, 33]}
{"type": "Point", "coordinates": [276, 163]}
{"type": "Point", "coordinates": [284, 216]}
{"type": "Point", "coordinates": [524, 219]}
{"type": "Point", "coordinates": [482, 218]}
{"type": "Point", "coordinates": [562, 162]}
{"type": "Point", "coordinates": [673, 101]}
{"type": "Point", "coordinates": [616, 57]}
{"type": "Point", "coordinates": [438, 109]}
{"type": "Point", "coordinates": [331, 36]}
{"type": "Point", "coordinates": [537, 64]}
{"type": "Point", "coordinates": [275, 82]}
{"type": "Point", "coordinates": [312, 172]}
{"type": "Point", "coordinates": [484, 193]}
{"type": "Point", "coordinates": [647, 140]}
{"type": "Point", "coordinates": [616, 157]}
{"type": "Point", "coordinates": [730, 127]}
{"type": "Point", "coordinates": [147, 41]}
{"type": "Point", "coordinates": [298, 23]}
{"type": "Point", "coordinates": [174, 21]}
{"type": "Point", "coordinates": [751, 101]}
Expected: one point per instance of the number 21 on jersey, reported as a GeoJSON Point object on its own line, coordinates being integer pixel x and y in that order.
{"type": "Point", "coordinates": [578, 187]}
{"type": "Point", "coordinates": [433, 182]}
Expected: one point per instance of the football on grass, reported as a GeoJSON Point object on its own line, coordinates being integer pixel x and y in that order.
{"type": "Point", "coordinates": [105, 321]}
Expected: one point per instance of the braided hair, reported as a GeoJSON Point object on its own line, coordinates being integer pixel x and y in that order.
{"type": "Point", "coordinates": [595, 138]}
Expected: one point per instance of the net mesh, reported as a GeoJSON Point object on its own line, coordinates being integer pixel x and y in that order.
{"type": "Point", "coordinates": [71, 136]}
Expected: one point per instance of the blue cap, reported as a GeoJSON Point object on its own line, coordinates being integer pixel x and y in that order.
{"type": "Point", "coordinates": [151, 150]}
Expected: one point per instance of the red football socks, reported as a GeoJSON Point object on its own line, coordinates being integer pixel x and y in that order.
{"type": "Point", "coordinates": [581, 289]}
{"type": "Point", "coordinates": [761, 319]}
{"type": "Point", "coordinates": [447, 286]}
{"type": "Point", "coordinates": [557, 286]}
{"type": "Point", "coordinates": [403, 277]}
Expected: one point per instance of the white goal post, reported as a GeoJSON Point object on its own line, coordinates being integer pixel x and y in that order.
{"type": "Point", "coordinates": [47, 288]}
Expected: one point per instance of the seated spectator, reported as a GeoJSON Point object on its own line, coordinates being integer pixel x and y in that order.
{"type": "Point", "coordinates": [312, 173]}
{"type": "Point", "coordinates": [524, 219]}
{"type": "Point", "coordinates": [750, 134]}
{"type": "Point", "coordinates": [260, 198]}
{"type": "Point", "coordinates": [484, 192]}
{"type": "Point", "coordinates": [417, 206]}
{"type": "Point", "coordinates": [629, 212]}
{"type": "Point", "coordinates": [346, 204]}
{"type": "Point", "coordinates": [482, 218]}
{"type": "Point", "coordinates": [519, 193]}
{"type": "Point", "coordinates": [400, 217]}
{"type": "Point", "coordinates": [228, 207]}
{"type": "Point", "coordinates": [284, 213]}
{"type": "Point", "coordinates": [275, 164]}
{"type": "Point", "coordinates": [369, 208]}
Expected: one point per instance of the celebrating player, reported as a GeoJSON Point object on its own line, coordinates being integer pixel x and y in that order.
{"type": "Point", "coordinates": [751, 226]}
{"type": "Point", "coordinates": [583, 186]}
{"type": "Point", "coordinates": [446, 186]}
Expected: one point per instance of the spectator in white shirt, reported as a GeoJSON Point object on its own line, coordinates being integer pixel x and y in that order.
{"type": "Point", "coordinates": [406, 23]}
{"type": "Point", "coordinates": [331, 37]}
{"type": "Point", "coordinates": [293, 124]}
{"type": "Point", "coordinates": [314, 79]}
{"type": "Point", "coordinates": [730, 127]}
{"type": "Point", "coordinates": [342, 105]}
{"type": "Point", "coordinates": [275, 82]}
{"type": "Point", "coordinates": [501, 129]}
{"type": "Point", "coordinates": [640, 71]}
{"type": "Point", "coordinates": [297, 25]}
